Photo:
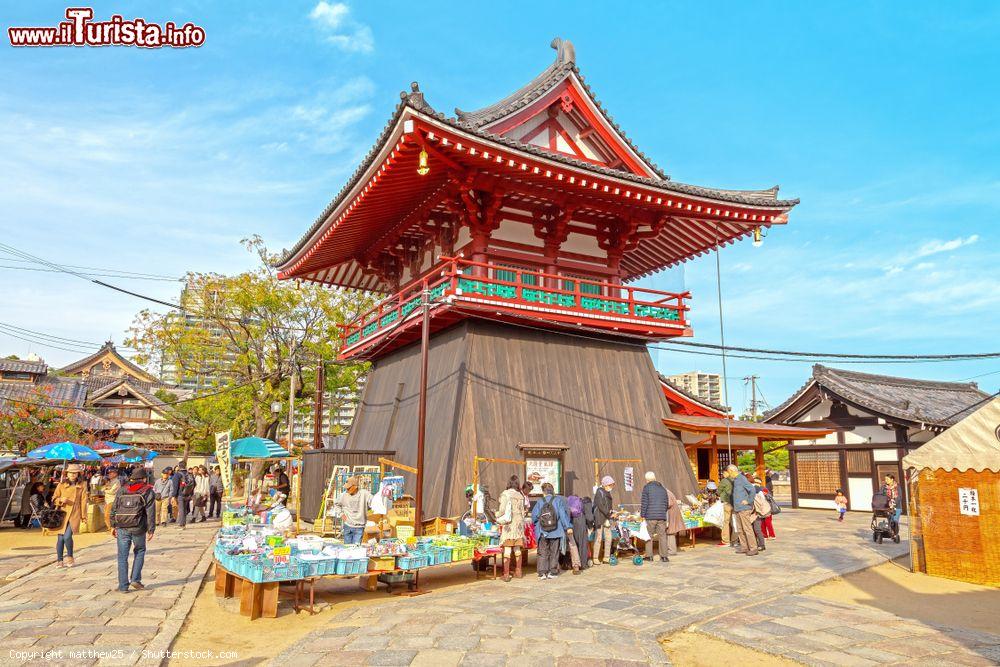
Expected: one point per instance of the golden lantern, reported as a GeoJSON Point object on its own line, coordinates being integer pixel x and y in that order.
{"type": "Point", "coordinates": [422, 167]}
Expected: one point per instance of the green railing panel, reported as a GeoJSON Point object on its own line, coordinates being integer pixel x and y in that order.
{"type": "Point", "coordinates": [589, 303]}
{"type": "Point", "coordinates": [370, 329]}
{"type": "Point", "coordinates": [658, 312]}
{"type": "Point", "coordinates": [550, 298]}
{"type": "Point", "coordinates": [389, 318]}
{"type": "Point", "coordinates": [354, 338]}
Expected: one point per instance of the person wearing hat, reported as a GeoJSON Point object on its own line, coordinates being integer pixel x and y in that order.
{"type": "Point", "coordinates": [133, 521]}
{"type": "Point", "coordinates": [71, 497]}
{"type": "Point", "coordinates": [161, 496]}
{"type": "Point", "coordinates": [603, 504]}
{"type": "Point", "coordinates": [353, 504]}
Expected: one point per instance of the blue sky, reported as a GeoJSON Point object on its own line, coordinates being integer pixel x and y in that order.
{"type": "Point", "coordinates": [881, 117]}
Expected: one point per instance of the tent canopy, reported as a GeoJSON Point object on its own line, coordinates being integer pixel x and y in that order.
{"type": "Point", "coordinates": [257, 448]}
{"type": "Point", "coordinates": [971, 444]}
{"type": "Point", "coordinates": [65, 451]}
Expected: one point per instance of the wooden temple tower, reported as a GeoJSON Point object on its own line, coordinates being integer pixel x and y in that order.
{"type": "Point", "coordinates": [527, 221]}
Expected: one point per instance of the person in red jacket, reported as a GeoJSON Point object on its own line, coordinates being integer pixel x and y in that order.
{"type": "Point", "coordinates": [133, 521]}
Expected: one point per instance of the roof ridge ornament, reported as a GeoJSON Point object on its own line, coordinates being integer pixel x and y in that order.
{"type": "Point", "coordinates": [414, 98]}
{"type": "Point", "coordinates": [565, 52]}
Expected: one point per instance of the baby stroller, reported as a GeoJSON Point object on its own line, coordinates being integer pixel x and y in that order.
{"type": "Point", "coordinates": [624, 544]}
{"type": "Point", "coordinates": [883, 520]}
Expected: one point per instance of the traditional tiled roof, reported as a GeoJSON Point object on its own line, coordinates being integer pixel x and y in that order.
{"type": "Point", "coordinates": [54, 390]}
{"type": "Point", "coordinates": [415, 100]}
{"type": "Point", "coordinates": [91, 422]}
{"type": "Point", "coordinates": [699, 424]}
{"type": "Point", "coordinates": [711, 405]}
{"type": "Point", "coordinates": [917, 401]}
{"type": "Point", "coordinates": [108, 347]}
{"type": "Point", "coordinates": [23, 366]}
{"type": "Point", "coordinates": [97, 384]}
{"type": "Point", "coordinates": [563, 66]}
{"type": "Point", "coordinates": [135, 388]}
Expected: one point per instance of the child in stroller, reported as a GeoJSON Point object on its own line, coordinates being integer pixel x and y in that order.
{"type": "Point", "coordinates": [884, 523]}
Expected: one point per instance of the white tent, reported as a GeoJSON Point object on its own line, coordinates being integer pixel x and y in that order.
{"type": "Point", "coordinates": [971, 444]}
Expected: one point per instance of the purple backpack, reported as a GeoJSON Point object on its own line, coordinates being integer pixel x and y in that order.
{"type": "Point", "coordinates": [575, 506]}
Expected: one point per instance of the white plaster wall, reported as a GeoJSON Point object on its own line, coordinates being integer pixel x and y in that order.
{"type": "Point", "coordinates": [518, 232]}
{"type": "Point", "coordinates": [885, 455]}
{"type": "Point", "coordinates": [812, 503]}
{"type": "Point", "coordinates": [860, 493]}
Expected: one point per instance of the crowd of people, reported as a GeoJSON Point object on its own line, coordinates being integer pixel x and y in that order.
{"type": "Point", "coordinates": [574, 533]}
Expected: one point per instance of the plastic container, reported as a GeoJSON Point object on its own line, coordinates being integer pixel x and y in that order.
{"type": "Point", "coordinates": [355, 566]}
{"type": "Point", "coordinates": [413, 562]}
{"type": "Point", "coordinates": [382, 564]}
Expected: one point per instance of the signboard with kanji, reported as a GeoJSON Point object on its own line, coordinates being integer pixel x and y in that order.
{"type": "Point", "coordinates": [968, 502]}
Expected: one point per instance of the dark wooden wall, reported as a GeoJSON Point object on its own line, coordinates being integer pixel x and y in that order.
{"type": "Point", "coordinates": [492, 387]}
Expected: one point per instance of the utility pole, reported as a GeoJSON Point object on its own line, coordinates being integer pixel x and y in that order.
{"type": "Point", "coordinates": [425, 336]}
{"type": "Point", "coordinates": [752, 379]}
{"type": "Point", "coordinates": [318, 405]}
{"type": "Point", "coordinates": [291, 404]}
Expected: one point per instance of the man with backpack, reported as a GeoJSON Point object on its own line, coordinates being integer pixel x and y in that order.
{"type": "Point", "coordinates": [133, 521]}
{"type": "Point", "coordinates": [552, 523]}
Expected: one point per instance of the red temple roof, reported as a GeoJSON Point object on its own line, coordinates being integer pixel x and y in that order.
{"type": "Point", "coordinates": [521, 154]}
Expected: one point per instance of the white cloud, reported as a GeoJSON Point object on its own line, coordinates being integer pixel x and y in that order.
{"type": "Point", "coordinates": [932, 247]}
{"type": "Point", "coordinates": [333, 20]}
{"type": "Point", "coordinates": [329, 15]}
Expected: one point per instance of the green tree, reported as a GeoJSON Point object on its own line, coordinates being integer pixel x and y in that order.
{"type": "Point", "coordinates": [253, 335]}
{"type": "Point", "coordinates": [34, 420]}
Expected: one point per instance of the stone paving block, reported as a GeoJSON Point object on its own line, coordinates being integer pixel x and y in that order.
{"type": "Point", "coordinates": [364, 642]}
{"type": "Point", "coordinates": [391, 658]}
{"type": "Point", "coordinates": [494, 630]}
{"type": "Point", "coordinates": [477, 659]}
{"type": "Point", "coordinates": [419, 642]}
{"type": "Point", "coordinates": [854, 635]}
{"type": "Point", "coordinates": [875, 654]}
{"type": "Point", "coordinates": [303, 659]}
{"type": "Point", "coordinates": [457, 643]}
{"type": "Point", "coordinates": [572, 661]}
{"type": "Point", "coordinates": [841, 659]}
{"type": "Point", "coordinates": [964, 657]}
{"type": "Point", "coordinates": [776, 629]}
{"type": "Point", "coordinates": [534, 632]}
{"type": "Point", "coordinates": [576, 635]}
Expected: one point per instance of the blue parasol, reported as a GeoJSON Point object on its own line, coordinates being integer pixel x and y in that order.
{"type": "Point", "coordinates": [65, 451]}
{"type": "Point", "coordinates": [257, 448]}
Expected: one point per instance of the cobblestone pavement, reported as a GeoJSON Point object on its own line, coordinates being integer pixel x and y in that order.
{"type": "Point", "coordinates": [26, 562]}
{"type": "Point", "coordinates": [608, 615]}
{"type": "Point", "coordinates": [78, 609]}
{"type": "Point", "coordinates": [821, 632]}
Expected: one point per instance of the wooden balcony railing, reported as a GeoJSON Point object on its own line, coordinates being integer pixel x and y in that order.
{"type": "Point", "coordinates": [535, 294]}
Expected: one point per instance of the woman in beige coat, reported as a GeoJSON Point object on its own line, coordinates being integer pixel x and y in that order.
{"type": "Point", "coordinates": [675, 523]}
{"type": "Point", "coordinates": [71, 497]}
{"type": "Point", "coordinates": [511, 518]}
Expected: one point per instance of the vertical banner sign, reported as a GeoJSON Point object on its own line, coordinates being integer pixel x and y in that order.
{"type": "Point", "coordinates": [222, 450]}
{"type": "Point", "coordinates": [968, 502]}
{"type": "Point", "coordinates": [629, 479]}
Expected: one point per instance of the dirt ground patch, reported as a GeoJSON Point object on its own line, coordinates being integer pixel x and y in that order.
{"type": "Point", "coordinates": [893, 588]}
{"type": "Point", "coordinates": [693, 649]}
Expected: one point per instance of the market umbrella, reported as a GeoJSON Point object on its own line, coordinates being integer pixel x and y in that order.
{"type": "Point", "coordinates": [133, 455]}
{"type": "Point", "coordinates": [65, 451]}
{"type": "Point", "coordinates": [257, 448]}
{"type": "Point", "coordinates": [105, 447]}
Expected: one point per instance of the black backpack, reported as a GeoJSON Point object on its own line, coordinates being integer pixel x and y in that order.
{"type": "Point", "coordinates": [129, 510]}
{"type": "Point", "coordinates": [548, 520]}
{"type": "Point", "coordinates": [188, 489]}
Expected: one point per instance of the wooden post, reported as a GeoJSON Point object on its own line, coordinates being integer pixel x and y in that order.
{"type": "Point", "coordinates": [759, 458]}
{"type": "Point", "coordinates": [318, 406]}
{"type": "Point", "coordinates": [713, 459]}
{"type": "Point", "coordinates": [422, 409]}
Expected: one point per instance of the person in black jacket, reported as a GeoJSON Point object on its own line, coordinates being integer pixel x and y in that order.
{"type": "Point", "coordinates": [653, 508]}
{"type": "Point", "coordinates": [603, 512]}
{"type": "Point", "coordinates": [133, 526]}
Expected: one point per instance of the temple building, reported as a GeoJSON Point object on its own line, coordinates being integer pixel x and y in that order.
{"type": "Point", "coordinates": [871, 423]}
{"type": "Point", "coordinates": [524, 224]}
{"type": "Point", "coordinates": [124, 393]}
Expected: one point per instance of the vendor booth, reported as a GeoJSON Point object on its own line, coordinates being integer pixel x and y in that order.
{"type": "Point", "coordinates": [954, 500]}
